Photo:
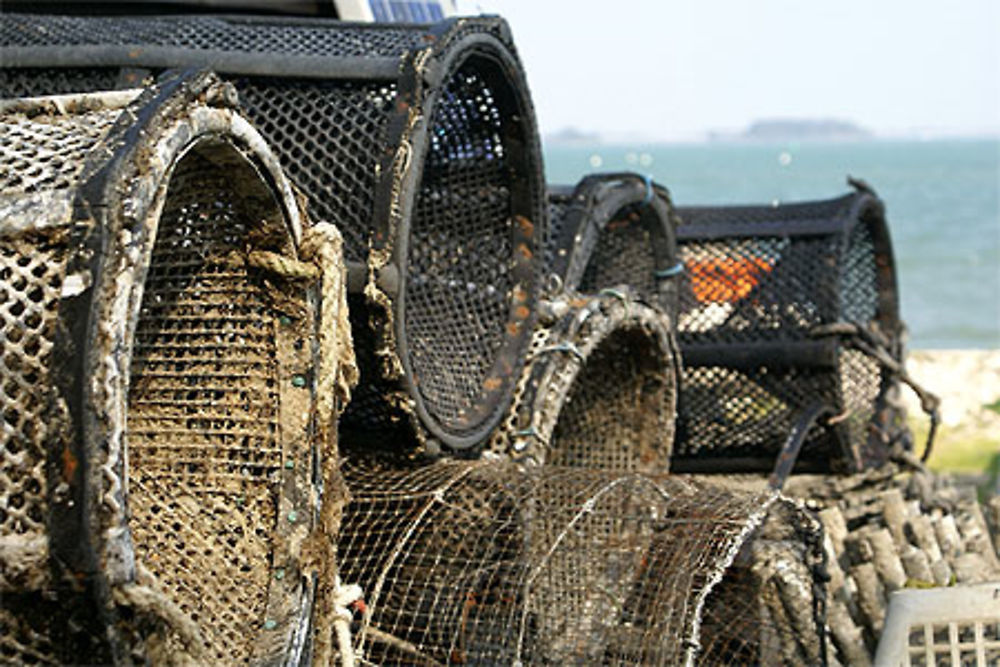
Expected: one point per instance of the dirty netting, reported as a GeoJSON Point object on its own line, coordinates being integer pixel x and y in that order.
{"type": "Point", "coordinates": [599, 389]}
{"type": "Point", "coordinates": [172, 521]}
{"type": "Point", "coordinates": [417, 141]}
{"type": "Point", "coordinates": [789, 318]}
{"type": "Point", "coordinates": [487, 562]}
{"type": "Point", "coordinates": [613, 229]}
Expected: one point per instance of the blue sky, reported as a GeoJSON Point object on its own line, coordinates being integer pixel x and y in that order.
{"type": "Point", "coordinates": [676, 69]}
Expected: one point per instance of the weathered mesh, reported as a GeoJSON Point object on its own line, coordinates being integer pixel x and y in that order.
{"type": "Point", "coordinates": [599, 390]}
{"type": "Point", "coordinates": [486, 562]}
{"type": "Point", "coordinates": [416, 140]}
{"type": "Point", "coordinates": [613, 229]}
{"type": "Point", "coordinates": [203, 479]}
{"type": "Point", "coordinates": [31, 267]}
{"type": "Point", "coordinates": [770, 606]}
{"type": "Point", "coordinates": [40, 158]}
{"type": "Point", "coordinates": [203, 420]}
{"type": "Point", "coordinates": [762, 286]}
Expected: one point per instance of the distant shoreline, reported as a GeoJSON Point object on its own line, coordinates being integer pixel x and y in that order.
{"type": "Point", "coordinates": [600, 142]}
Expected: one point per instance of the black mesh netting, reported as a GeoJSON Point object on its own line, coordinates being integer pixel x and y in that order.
{"type": "Point", "coordinates": [760, 284]}
{"type": "Point", "coordinates": [443, 176]}
{"type": "Point", "coordinates": [613, 229]}
{"type": "Point", "coordinates": [209, 33]}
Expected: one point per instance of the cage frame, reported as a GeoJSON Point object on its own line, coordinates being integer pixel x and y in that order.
{"type": "Point", "coordinates": [561, 351]}
{"type": "Point", "coordinates": [112, 219]}
{"type": "Point", "coordinates": [419, 75]}
{"type": "Point", "coordinates": [819, 348]}
{"type": "Point", "coordinates": [590, 206]}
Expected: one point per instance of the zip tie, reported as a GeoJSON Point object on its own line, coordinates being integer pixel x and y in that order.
{"type": "Point", "coordinates": [670, 271]}
{"type": "Point", "coordinates": [648, 180]}
{"type": "Point", "coordinates": [520, 445]}
{"type": "Point", "coordinates": [564, 347]}
{"type": "Point", "coordinates": [618, 295]}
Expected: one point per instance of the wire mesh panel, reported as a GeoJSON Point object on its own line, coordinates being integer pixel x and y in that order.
{"type": "Point", "coordinates": [487, 562]}
{"type": "Point", "coordinates": [419, 142]}
{"type": "Point", "coordinates": [613, 229]}
{"type": "Point", "coordinates": [787, 311]}
{"type": "Point", "coordinates": [769, 608]}
{"type": "Point", "coordinates": [599, 390]}
{"type": "Point", "coordinates": [162, 341]}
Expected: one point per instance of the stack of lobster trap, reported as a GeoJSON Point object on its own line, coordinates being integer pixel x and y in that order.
{"type": "Point", "coordinates": [304, 362]}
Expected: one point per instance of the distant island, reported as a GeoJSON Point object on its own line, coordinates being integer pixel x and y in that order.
{"type": "Point", "coordinates": [571, 135]}
{"type": "Point", "coordinates": [796, 129]}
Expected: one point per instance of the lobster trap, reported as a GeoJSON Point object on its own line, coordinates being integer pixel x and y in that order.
{"type": "Point", "coordinates": [610, 230]}
{"type": "Point", "coordinates": [172, 364]}
{"type": "Point", "coordinates": [790, 333]}
{"type": "Point", "coordinates": [599, 389]}
{"type": "Point", "coordinates": [418, 142]}
{"type": "Point", "coordinates": [488, 562]}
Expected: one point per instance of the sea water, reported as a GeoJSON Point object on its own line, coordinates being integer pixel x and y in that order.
{"type": "Point", "coordinates": [942, 200]}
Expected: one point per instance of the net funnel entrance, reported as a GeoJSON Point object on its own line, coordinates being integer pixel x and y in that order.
{"type": "Point", "coordinates": [599, 389]}
{"type": "Point", "coordinates": [188, 399]}
{"type": "Point", "coordinates": [417, 141]}
{"type": "Point", "coordinates": [490, 562]}
{"type": "Point", "coordinates": [613, 229]}
{"type": "Point", "coordinates": [788, 310]}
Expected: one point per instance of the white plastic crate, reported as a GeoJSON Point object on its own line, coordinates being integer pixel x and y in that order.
{"type": "Point", "coordinates": [954, 626]}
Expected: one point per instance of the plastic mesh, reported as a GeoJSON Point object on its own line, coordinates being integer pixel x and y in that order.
{"type": "Point", "coordinates": [466, 287]}
{"type": "Point", "coordinates": [48, 152]}
{"type": "Point", "coordinates": [558, 203]}
{"type": "Point", "coordinates": [458, 296]}
{"type": "Point", "coordinates": [203, 415]}
{"type": "Point", "coordinates": [757, 284]}
{"type": "Point", "coordinates": [30, 82]}
{"type": "Point", "coordinates": [328, 136]}
{"type": "Point", "coordinates": [729, 412]}
{"type": "Point", "coordinates": [486, 562]}
{"type": "Point", "coordinates": [859, 282]}
{"type": "Point", "coordinates": [599, 390]}
{"type": "Point", "coordinates": [31, 268]}
{"type": "Point", "coordinates": [623, 255]}
{"type": "Point", "coordinates": [23, 637]}
{"type": "Point", "coordinates": [609, 230]}
{"type": "Point", "coordinates": [211, 34]}
{"type": "Point", "coordinates": [758, 289]}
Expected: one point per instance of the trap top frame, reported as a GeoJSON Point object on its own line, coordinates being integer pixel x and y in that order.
{"type": "Point", "coordinates": [613, 229]}
{"type": "Point", "coordinates": [785, 291]}
{"type": "Point", "coordinates": [399, 75]}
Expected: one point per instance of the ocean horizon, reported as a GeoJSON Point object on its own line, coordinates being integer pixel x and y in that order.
{"type": "Point", "coordinates": [942, 201]}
